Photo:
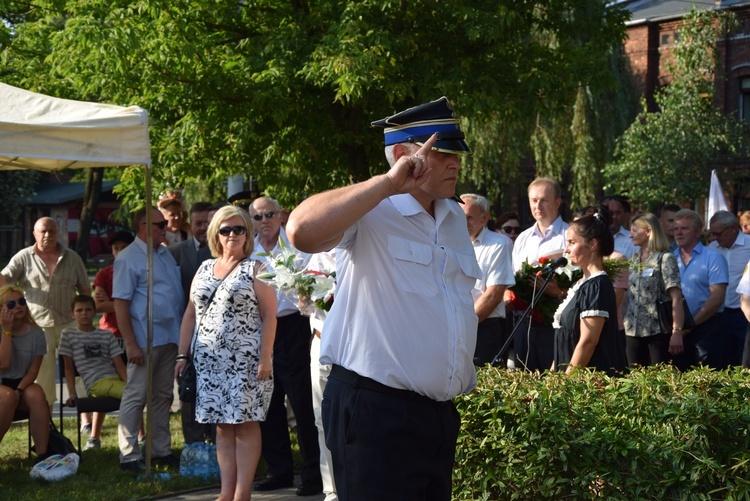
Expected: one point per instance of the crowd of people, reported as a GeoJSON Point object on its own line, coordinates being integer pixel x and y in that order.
{"type": "Point", "coordinates": [424, 294]}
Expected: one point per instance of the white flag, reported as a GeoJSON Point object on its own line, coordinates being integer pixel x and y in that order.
{"type": "Point", "coordinates": [716, 199]}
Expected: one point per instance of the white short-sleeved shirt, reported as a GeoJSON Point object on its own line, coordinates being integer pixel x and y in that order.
{"type": "Point", "coordinates": [737, 257]}
{"type": "Point", "coordinates": [403, 313]}
{"type": "Point", "coordinates": [493, 253]}
{"type": "Point", "coordinates": [531, 243]}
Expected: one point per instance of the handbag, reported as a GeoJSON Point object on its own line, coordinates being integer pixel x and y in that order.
{"type": "Point", "coordinates": [187, 384]}
{"type": "Point", "coordinates": [58, 443]}
{"type": "Point", "coordinates": [56, 467]}
{"type": "Point", "coordinates": [664, 308]}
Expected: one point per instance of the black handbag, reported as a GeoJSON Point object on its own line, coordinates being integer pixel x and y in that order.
{"type": "Point", "coordinates": [664, 309]}
{"type": "Point", "coordinates": [187, 384]}
{"type": "Point", "coordinates": [58, 443]}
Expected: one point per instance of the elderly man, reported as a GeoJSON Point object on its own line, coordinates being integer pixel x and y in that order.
{"type": "Point", "coordinates": [291, 374]}
{"type": "Point", "coordinates": [735, 247]}
{"type": "Point", "coordinates": [492, 251]}
{"type": "Point", "coordinates": [704, 277]}
{"type": "Point", "coordinates": [617, 207]}
{"type": "Point", "coordinates": [130, 294]}
{"type": "Point", "coordinates": [534, 343]}
{"type": "Point", "coordinates": [49, 275]}
{"type": "Point", "coordinates": [189, 254]}
{"type": "Point", "coordinates": [402, 329]}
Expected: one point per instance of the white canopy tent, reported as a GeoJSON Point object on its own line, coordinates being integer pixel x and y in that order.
{"type": "Point", "coordinates": [39, 132]}
{"type": "Point", "coordinates": [46, 133]}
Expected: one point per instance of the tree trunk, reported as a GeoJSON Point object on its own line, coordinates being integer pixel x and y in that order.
{"type": "Point", "coordinates": [91, 195]}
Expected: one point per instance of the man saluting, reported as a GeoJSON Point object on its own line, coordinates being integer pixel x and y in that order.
{"type": "Point", "coordinates": [402, 330]}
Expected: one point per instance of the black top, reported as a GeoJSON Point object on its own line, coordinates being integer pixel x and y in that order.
{"type": "Point", "coordinates": [594, 297]}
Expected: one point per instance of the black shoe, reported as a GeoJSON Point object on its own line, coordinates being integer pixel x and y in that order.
{"type": "Point", "coordinates": [272, 484]}
{"type": "Point", "coordinates": [137, 466]}
{"type": "Point", "coordinates": [309, 489]}
{"type": "Point", "coordinates": [169, 460]}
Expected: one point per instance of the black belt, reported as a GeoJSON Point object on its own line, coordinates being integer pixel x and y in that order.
{"type": "Point", "coordinates": [732, 309]}
{"type": "Point", "coordinates": [354, 379]}
{"type": "Point", "coordinates": [493, 320]}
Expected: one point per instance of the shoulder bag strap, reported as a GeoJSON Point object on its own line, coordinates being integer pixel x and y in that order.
{"type": "Point", "coordinates": [208, 304]}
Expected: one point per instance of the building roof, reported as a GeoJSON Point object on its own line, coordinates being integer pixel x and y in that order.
{"type": "Point", "coordinates": [642, 11]}
{"type": "Point", "coordinates": [56, 194]}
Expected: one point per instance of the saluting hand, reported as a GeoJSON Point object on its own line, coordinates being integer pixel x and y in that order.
{"type": "Point", "coordinates": [411, 171]}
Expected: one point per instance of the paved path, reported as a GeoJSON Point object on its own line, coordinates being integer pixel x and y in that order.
{"type": "Point", "coordinates": [279, 495]}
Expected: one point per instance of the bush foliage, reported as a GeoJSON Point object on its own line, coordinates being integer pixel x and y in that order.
{"type": "Point", "coordinates": [653, 434]}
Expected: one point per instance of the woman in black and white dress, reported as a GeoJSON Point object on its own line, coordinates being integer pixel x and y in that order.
{"type": "Point", "coordinates": [233, 347]}
{"type": "Point", "coordinates": [586, 331]}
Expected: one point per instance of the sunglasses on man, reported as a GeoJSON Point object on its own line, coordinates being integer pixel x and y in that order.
{"type": "Point", "coordinates": [225, 231]}
{"type": "Point", "coordinates": [268, 215]}
{"type": "Point", "coordinates": [12, 304]}
{"type": "Point", "coordinates": [512, 229]}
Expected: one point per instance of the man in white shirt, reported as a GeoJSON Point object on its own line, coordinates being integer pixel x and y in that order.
{"type": "Point", "coordinates": [735, 247]}
{"type": "Point", "coordinates": [534, 342]}
{"type": "Point", "coordinates": [291, 374]}
{"type": "Point", "coordinates": [623, 243]}
{"type": "Point", "coordinates": [402, 329]}
{"type": "Point", "coordinates": [493, 256]}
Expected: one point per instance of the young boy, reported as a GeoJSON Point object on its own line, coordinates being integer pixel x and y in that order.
{"type": "Point", "coordinates": [96, 355]}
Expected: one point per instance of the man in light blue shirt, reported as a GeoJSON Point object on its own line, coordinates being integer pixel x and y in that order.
{"type": "Point", "coordinates": [704, 275]}
{"type": "Point", "coordinates": [130, 293]}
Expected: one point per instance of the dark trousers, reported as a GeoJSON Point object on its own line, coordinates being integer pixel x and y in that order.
{"type": "Point", "coordinates": [491, 335]}
{"type": "Point", "coordinates": [387, 443]}
{"type": "Point", "coordinates": [648, 350]}
{"type": "Point", "coordinates": [732, 337]}
{"type": "Point", "coordinates": [535, 349]}
{"type": "Point", "coordinates": [291, 378]}
{"type": "Point", "coordinates": [707, 342]}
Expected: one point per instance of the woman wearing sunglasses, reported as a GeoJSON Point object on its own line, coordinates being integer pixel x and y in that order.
{"type": "Point", "coordinates": [22, 347]}
{"type": "Point", "coordinates": [509, 224]}
{"type": "Point", "coordinates": [234, 317]}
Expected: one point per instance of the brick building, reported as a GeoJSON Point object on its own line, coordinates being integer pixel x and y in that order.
{"type": "Point", "coordinates": [653, 30]}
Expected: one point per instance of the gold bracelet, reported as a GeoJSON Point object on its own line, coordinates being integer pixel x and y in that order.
{"type": "Point", "coordinates": [7, 333]}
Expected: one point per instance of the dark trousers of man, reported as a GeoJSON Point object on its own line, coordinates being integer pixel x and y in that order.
{"type": "Point", "coordinates": [388, 443]}
{"type": "Point", "coordinates": [491, 335]}
{"type": "Point", "coordinates": [732, 337]}
{"type": "Point", "coordinates": [707, 342]}
{"type": "Point", "coordinates": [291, 377]}
{"type": "Point", "coordinates": [535, 348]}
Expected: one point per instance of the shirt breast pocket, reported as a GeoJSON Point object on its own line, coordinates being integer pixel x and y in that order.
{"type": "Point", "coordinates": [412, 266]}
{"type": "Point", "coordinates": [471, 274]}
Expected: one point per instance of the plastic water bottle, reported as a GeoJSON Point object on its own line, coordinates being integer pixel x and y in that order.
{"type": "Point", "coordinates": [187, 461]}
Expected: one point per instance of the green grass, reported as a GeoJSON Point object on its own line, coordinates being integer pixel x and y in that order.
{"type": "Point", "coordinates": [99, 475]}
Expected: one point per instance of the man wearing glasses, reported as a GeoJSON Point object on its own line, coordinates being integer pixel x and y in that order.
{"type": "Point", "coordinates": [291, 373]}
{"type": "Point", "coordinates": [130, 293]}
{"type": "Point", "coordinates": [734, 245]}
{"type": "Point", "coordinates": [49, 275]}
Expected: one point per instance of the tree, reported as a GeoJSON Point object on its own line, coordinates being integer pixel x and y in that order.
{"type": "Point", "coordinates": [285, 90]}
{"type": "Point", "coordinates": [668, 154]}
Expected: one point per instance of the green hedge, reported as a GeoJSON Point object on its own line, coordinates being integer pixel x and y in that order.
{"type": "Point", "coordinates": [655, 434]}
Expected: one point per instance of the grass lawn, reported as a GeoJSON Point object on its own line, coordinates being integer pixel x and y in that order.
{"type": "Point", "coordinates": [99, 476]}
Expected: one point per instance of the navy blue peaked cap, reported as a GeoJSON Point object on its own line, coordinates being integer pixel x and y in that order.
{"type": "Point", "coordinates": [417, 124]}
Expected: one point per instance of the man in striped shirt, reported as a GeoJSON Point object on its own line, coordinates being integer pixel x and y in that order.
{"type": "Point", "coordinates": [49, 275]}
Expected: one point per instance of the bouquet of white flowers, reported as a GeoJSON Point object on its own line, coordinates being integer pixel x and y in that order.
{"type": "Point", "coordinates": [288, 274]}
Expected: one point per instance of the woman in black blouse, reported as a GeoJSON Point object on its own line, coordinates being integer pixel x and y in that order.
{"type": "Point", "coordinates": [586, 331]}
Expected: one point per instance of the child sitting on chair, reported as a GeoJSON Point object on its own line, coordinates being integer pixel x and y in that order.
{"type": "Point", "coordinates": [96, 355]}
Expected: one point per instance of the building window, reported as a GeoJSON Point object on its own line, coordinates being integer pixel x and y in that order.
{"type": "Point", "coordinates": [745, 98]}
{"type": "Point", "coordinates": [664, 40]}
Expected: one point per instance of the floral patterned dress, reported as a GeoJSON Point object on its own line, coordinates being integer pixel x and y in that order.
{"type": "Point", "coordinates": [227, 348]}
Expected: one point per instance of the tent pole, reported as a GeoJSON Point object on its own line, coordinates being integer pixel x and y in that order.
{"type": "Point", "coordinates": [149, 316]}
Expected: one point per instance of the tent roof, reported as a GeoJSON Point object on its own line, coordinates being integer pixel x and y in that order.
{"type": "Point", "coordinates": [46, 133]}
